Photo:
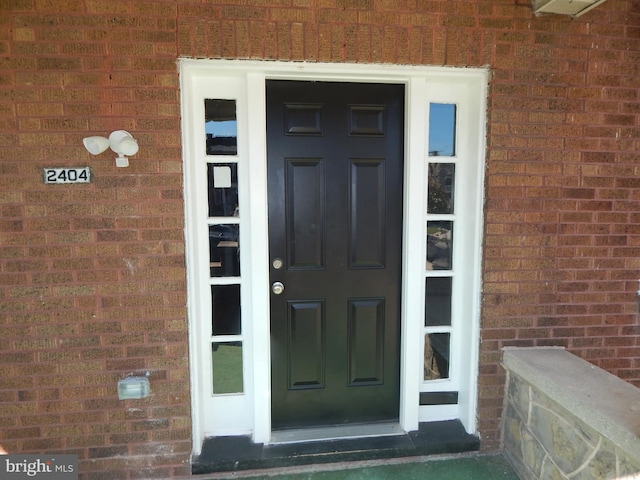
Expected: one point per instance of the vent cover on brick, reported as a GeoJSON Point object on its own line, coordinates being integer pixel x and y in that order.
{"type": "Point", "coordinates": [574, 8]}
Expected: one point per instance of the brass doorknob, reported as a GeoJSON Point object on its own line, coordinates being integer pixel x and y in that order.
{"type": "Point", "coordinates": [277, 288]}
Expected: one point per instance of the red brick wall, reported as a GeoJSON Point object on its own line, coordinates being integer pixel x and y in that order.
{"type": "Point", "coordinates": [562, 244]}
{"type": "Point", "coordinates": [92, 277]}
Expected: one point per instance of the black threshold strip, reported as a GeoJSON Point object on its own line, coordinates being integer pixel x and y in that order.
{"type": "Point", "coordinates": [224, 454]}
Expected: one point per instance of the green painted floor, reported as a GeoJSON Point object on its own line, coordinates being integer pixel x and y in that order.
{"type": "Point", "coordinates": [467, 467]}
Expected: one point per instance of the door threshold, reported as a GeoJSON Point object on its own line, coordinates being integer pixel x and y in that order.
{"type": "Point", "coordinates": [225, 454]}
{"type": "Point", "coordinates": [336, 432]}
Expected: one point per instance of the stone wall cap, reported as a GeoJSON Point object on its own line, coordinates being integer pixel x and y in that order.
{"type": "Point", "coordinates": [603, 401]}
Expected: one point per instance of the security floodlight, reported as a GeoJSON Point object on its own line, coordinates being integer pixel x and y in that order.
{"type": "Point", "coordinates": [120, 141]}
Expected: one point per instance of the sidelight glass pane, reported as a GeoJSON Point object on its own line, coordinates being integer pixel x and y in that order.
{"type": "Point", "coordinates": [225, 300]}
{"type": "Point", "coordinates": [441, 183]}
{"type": "Point", "coordinates": [438, 301]}
{"type": "Point", "coordinates": [224, 250]}
{"type": "Point", "coordinates": [221, 127]}
{"type": "Point", "coordinates": [222, 186]}
{"type": "Point", "coordinates": [442, 130]}
{"type": "Point", "coordinates": [439, 245]}
{"type": "Point", "coordinates": [436, 356]}
{"type": "Point", "coordinates": [227, 367]}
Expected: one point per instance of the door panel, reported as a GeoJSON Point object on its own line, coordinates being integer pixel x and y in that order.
{"type": "Point", "coordinates": [335, 163]}
{"type": "Point", "coordinates": [305, 213]}
{"type": "Point", "coordinates": [366, 341]}
{"type": "Point", "coordinates": [367, 214]}
{"type": "Point", "coordinates": [306, 345]}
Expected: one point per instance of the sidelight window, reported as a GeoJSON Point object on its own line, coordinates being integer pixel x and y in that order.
{"type": "Point", "coordinates": [221, 146]}
{"type": "Point", "coordinates": [441, 222]}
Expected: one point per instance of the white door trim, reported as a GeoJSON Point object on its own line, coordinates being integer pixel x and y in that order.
{"type": "Point", "coordinates": [198, 81]}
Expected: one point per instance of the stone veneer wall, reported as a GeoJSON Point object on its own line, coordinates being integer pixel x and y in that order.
{"type": "Point", "coordinates": [567, 419]}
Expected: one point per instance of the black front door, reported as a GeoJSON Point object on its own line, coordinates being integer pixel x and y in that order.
{"type": "Point", "coordinates": [335, 175]}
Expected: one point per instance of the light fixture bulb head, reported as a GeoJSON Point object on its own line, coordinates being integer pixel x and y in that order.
{"type": "Point", "coordinates": [123, 143]}
{"type": "Point", "coordinates": [95, 145]}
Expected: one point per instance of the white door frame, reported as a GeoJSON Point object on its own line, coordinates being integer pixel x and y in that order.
{"type": "Point", "coordinates": [246, 81]}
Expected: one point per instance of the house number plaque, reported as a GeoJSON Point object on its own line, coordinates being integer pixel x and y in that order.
{"type": "Point", "coordinates": [67, 175]}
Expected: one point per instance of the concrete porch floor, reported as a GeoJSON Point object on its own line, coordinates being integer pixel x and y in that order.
{"type": "Point", "coordinates": [444, 467]}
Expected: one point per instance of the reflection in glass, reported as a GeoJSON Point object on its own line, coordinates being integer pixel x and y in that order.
{"type": "Point", "coordinates": [436, 356]}
{"type": "Point", "coordinates": [225, 300]}
{"type": "Point", "coordinates": [441, 182]}
{"type": "Point", "coordinates": [221, 127]}
{"type": "Point", "coordinates": [438, 301]}
{"type": "Point", "coordinates": [222, 186]}
{"type": "Point", "coordinates": [439, 245]}
{"type": "Point", "coordinates": [227, 367]}
{"type": "Point", "coordinates": [442, 130]}
{"type": "Point", "coordinates": [224, 250]}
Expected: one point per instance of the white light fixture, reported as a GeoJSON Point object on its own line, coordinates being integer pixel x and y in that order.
{"type": "Point", "coordinates": [123, 144]}
{"type": "Point", "coordinates": [96, 145]}
{"type": "Point", "coordinates": [120, 141]}
{"type": "Point", "coordinates": [574, 8]}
